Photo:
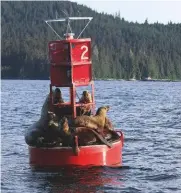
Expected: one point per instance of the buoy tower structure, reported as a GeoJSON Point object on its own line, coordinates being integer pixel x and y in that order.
{"type": "Point", "coordinates": [70, 65]}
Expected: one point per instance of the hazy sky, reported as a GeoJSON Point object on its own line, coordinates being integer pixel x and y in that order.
{"type": "Point", "coordinates": [161, 11]}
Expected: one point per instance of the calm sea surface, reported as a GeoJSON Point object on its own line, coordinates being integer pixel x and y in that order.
{"type": "Point", "coordinates": [149, 114]}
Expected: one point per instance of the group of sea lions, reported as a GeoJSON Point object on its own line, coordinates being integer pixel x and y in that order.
{"type": "Point", "coordinates": [51, 130]}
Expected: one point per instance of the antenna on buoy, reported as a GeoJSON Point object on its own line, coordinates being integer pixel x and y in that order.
{"type": "Point", "coordinates": [66, 14]}
{"type": "Point", "coordinates": [68, 19]}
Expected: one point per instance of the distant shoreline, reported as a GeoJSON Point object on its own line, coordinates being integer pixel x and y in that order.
{"type": "Point", "coordinates": [161, 80]}
{"type": "Point", "coordinates": [144, 80]}
{"type": "Point", "coordinates": [108, 79]}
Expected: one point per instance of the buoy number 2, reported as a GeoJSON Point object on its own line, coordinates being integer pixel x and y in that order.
{"type": "Point", "coordinates": [85, 50]}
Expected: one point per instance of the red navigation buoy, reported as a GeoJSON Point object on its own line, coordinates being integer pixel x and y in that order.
{"type": "Point", "coordinates": [71, 67]}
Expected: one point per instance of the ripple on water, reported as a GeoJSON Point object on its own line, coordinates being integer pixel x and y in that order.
{"type": "Point", "coordinates": [149, 114]}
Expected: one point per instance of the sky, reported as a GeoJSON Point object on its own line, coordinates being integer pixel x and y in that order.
{"type": "Point", "coordinates": [161, 11]}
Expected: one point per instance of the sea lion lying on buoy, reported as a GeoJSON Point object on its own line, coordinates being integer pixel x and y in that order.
{"type": "Point", "coordinates": [44, 133]}
{"type": "Point", "coordinates": [94, 122]}
{"type": "Point", "coordinates": [68, 139]}
{"type": "Point", "coordinates": [51, 132]}
{"type": "Point", "coordinates": [34, 133]}
{"type": "Point", "coordinates": [100, 123]}
{"type": "Point", "coordinates": [80, 136]}
{"type": "Point", "coordinates": [65, 132]}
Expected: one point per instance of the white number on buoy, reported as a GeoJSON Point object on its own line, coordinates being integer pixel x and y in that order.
{"type": "Point", "coordinates": [83, 57]}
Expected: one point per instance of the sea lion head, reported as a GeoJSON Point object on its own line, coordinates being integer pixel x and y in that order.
{"type": "Point", "coordinates": [52, 120]}
{"type": "Point", "coordinates": [85, 93]}
{"type": "Point", "coordinates": [58, 93]}
{"type": "Point", "coordinates": [86, 96]}
{"type": "Point", "coordinates": [103, 110]}
{"type": "Point", "coordinates": [51, 115]}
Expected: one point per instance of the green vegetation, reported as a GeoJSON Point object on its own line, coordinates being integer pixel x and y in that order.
{"type": "Point", "coordinates": [120, 49]}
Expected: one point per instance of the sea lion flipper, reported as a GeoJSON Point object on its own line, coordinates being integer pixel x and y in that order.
{"type": "Point", "coordinates": [102, 139]}
{"type": "Point", "coordinates": [75, 146]}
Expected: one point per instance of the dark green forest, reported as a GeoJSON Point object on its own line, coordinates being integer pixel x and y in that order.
{"type": "Point", "coordinates": [120, 49]}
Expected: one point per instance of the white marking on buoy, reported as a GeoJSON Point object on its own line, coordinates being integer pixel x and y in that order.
{"type": "Point", "coordinates": [104, 157]}
{"type": "Point", "coordinates": [84, 52]}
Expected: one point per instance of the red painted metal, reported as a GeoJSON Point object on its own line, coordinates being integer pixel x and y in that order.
{"type": "Point", "coordinates": [70, 61]}
{"type": "Point", "coordinates": [93, 98]}
{"type": "Point", "coordinates": [97, 155]}
{"type": "Point", "coordinates": [71, 66]}
{"type": "Point", "coordinates": [73, 101]}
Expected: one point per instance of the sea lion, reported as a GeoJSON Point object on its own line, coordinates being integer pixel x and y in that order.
{"type": "Point", "coordinates": [46, 132]}
{"type": "Point", "coordinates": [94, 122]}
{"type": "Point", "coordinates": [51, 132]}
{"type": "Point", "coordinates": [34, 133]}
{"type": "Point", "coordinates": [88, 136]}
{"type": "Point", "coordinates": [65, 132]}
{"type": "Point", "coordinates": [57, 96]}
{"type": "Point", "coordinates": [80, 136]}
{"type": "Point", "coordinates": [86, 98]}
{"type": "Point", "coordinates": [68, 133]}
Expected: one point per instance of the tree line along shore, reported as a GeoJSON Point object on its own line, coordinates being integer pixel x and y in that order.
{"type": "Point", "coordinates": [120, 49]}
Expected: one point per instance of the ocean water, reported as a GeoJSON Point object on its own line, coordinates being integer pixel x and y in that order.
{"type": "Point", "coordinates": [149, 114]}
